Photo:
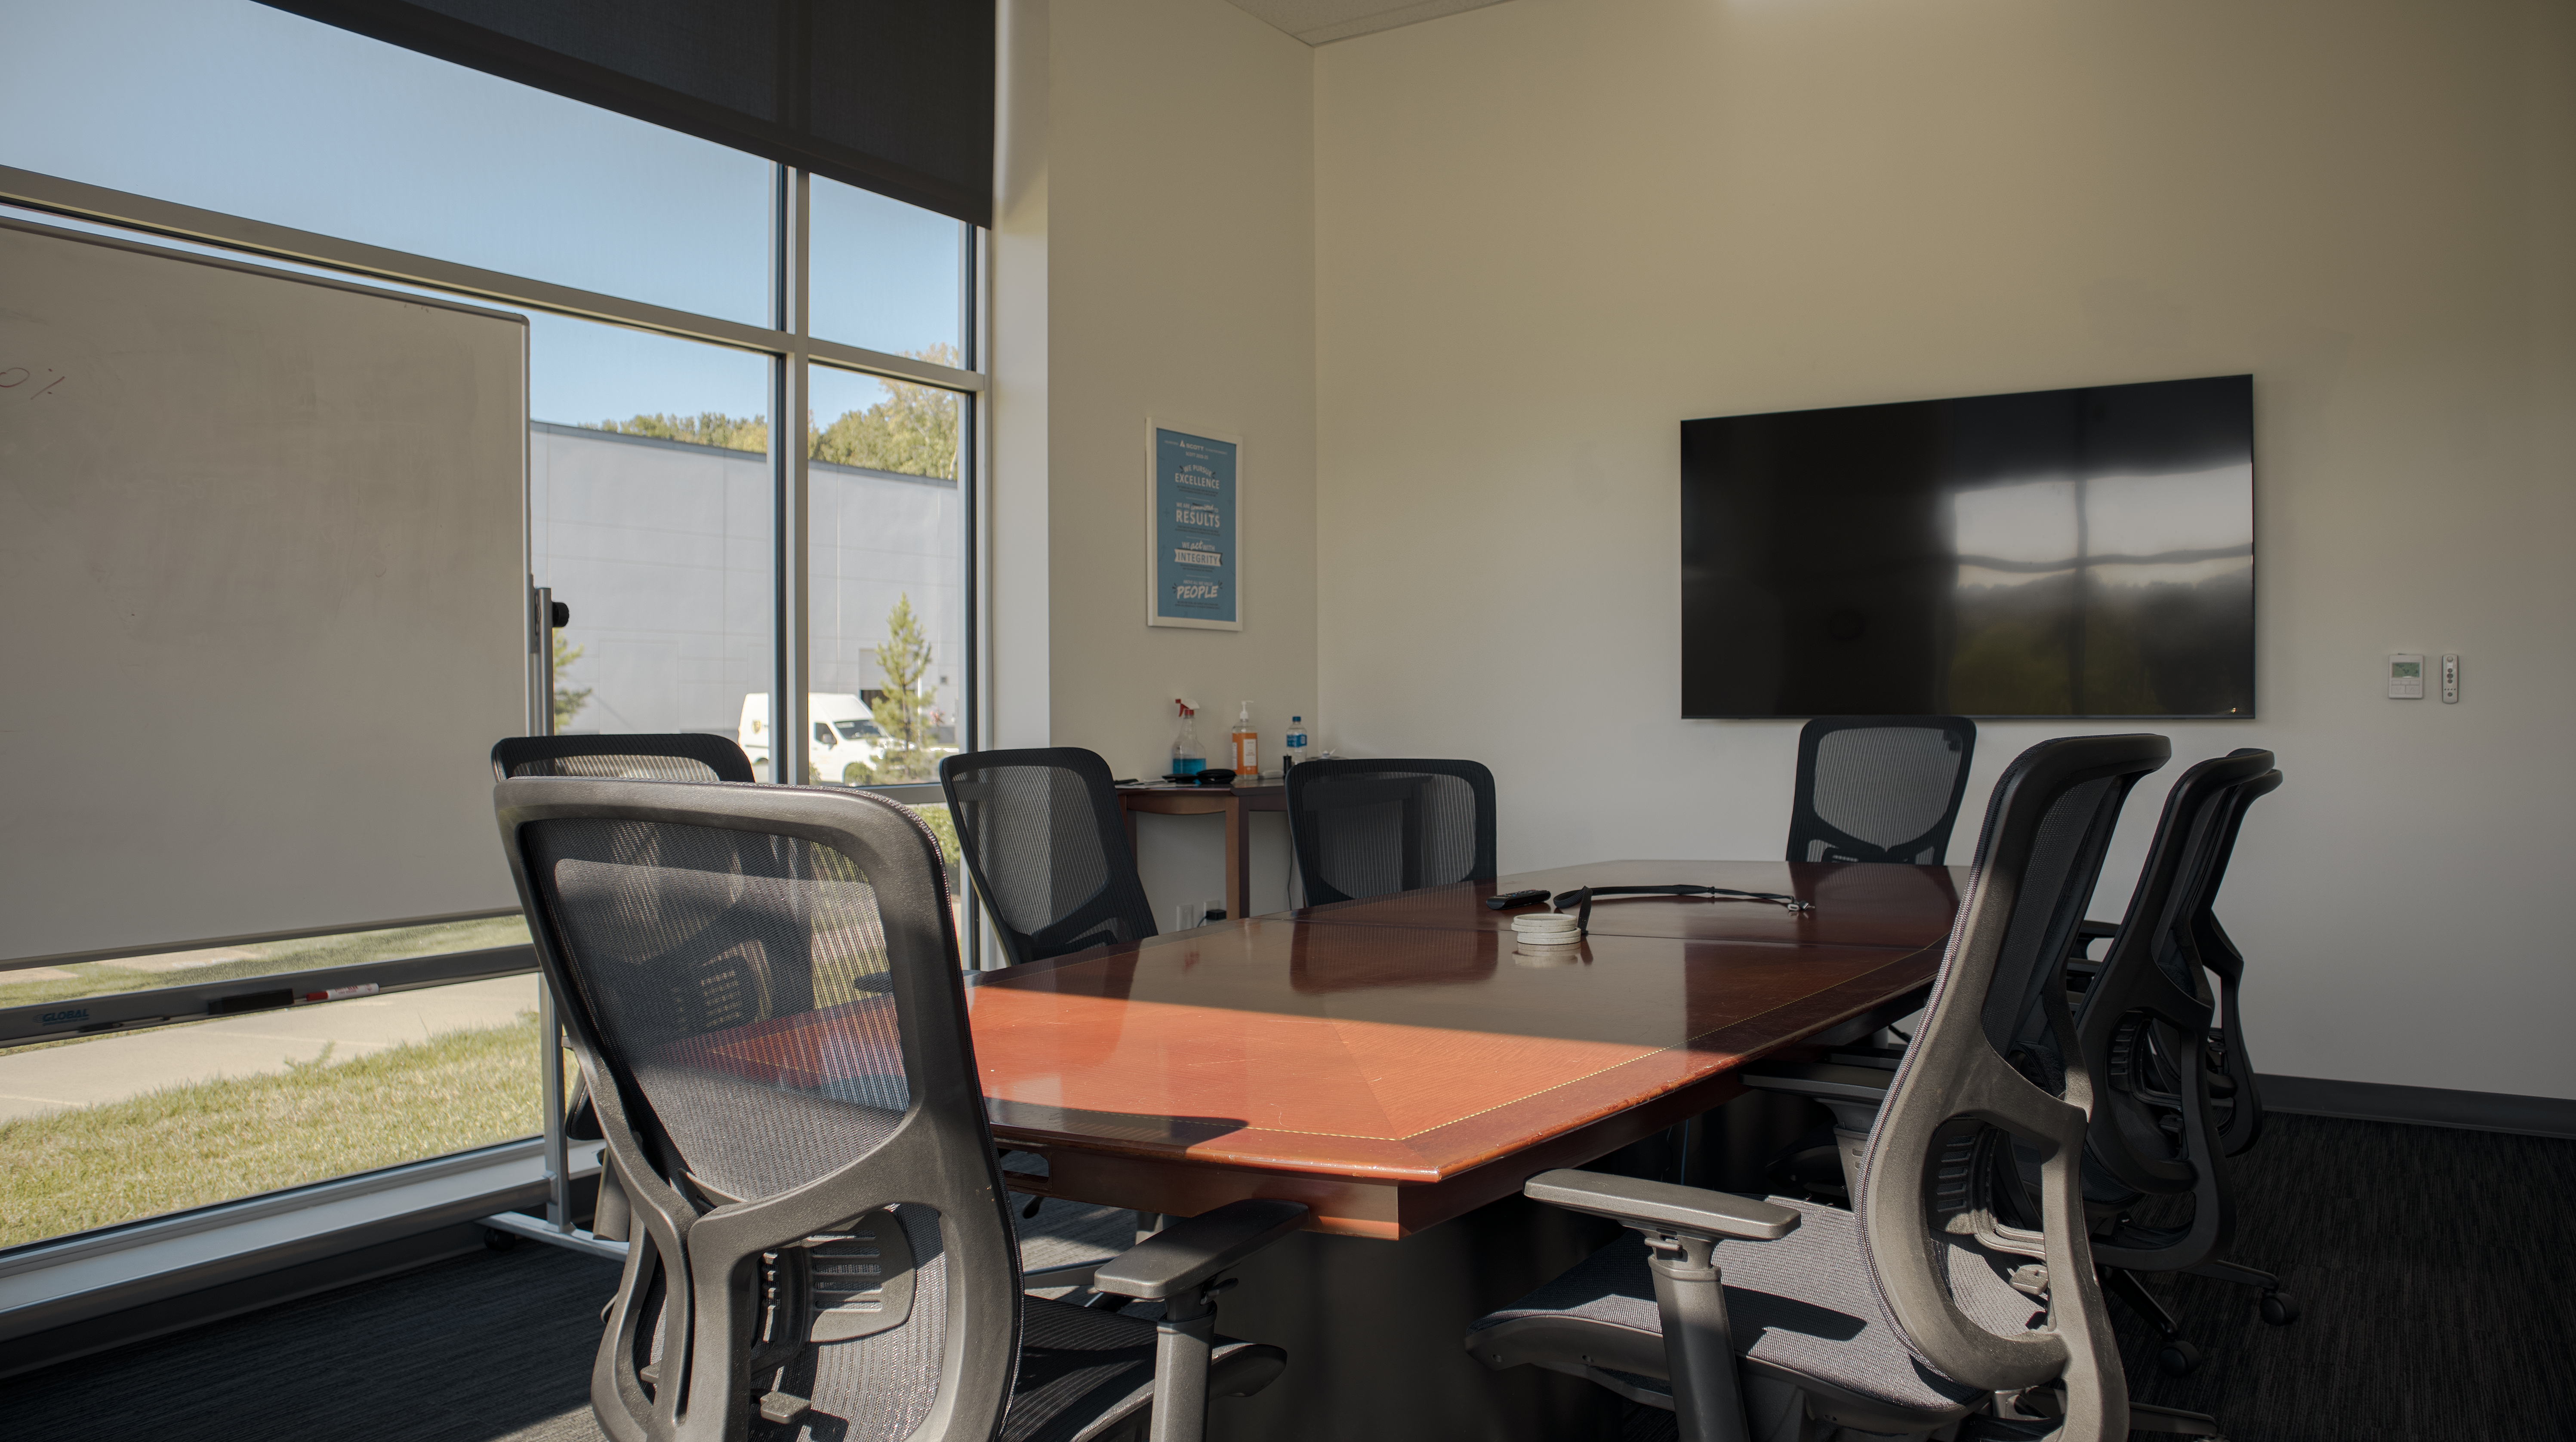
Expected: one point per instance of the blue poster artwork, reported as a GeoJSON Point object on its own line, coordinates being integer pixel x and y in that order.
{"type": "Point", "coordinates": [1197, 573]}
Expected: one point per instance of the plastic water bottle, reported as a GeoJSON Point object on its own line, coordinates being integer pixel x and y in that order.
{"type": "Point", "coordinates": [1187, 758]}
{"type": "Point", "coordinates": [1292, 746]}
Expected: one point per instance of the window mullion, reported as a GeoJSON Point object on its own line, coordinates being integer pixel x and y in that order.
{"type": "Point", "coordinates": [790, 758]}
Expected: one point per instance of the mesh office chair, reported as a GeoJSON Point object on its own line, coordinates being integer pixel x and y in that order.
{"type": "Point", "coordinates": [669, 756]}
{"type": "Point", "coordinates": [1369, 828]}
{"type": "Point", "coordinates": [655, 756]}
{"type": "Point", "coordinates": [1925, 1309]}
{"type": "Point", "coordinates": [1879, 788]}
{"type": "Point", "coordinates": [2231, 1065]}
{"type": "Point", "coordinates": [1042, 837]}
{"type": "Point", "coordinates": [2144, 1021]}
{"type": "Point", "coordinates": [2141, 1013]}
{"type": "Point", "coordinates": [765, 981]}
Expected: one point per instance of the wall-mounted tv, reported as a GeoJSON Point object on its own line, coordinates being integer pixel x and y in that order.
{"type": "Point", "coordinates": [2063, 554]}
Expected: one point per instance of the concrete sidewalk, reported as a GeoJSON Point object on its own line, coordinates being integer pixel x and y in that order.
{"type": "Point", "coordinates": [112, 1068]}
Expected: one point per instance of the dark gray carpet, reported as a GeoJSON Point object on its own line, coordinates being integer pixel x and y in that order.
{"type": "Point", "coordinates": [487, 1346]}
{"type": "Point", "coordinates": [2437, 1270]}
{"type": "Point", "coordinates": [2436, 1273]}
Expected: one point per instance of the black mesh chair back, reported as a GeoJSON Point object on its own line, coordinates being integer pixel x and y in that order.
{"type": "Point", "coordinates": [1042, 837]}
{"type": "Point", "coordinates": [2144, 1026]}
{"type": "Point", "coordinates": [1988, 1073]}
{"type": "Point", "coordinates": [1880, 788]}
{"type": "Point", "coordinates": [1371, 828]}
{"type": "Point", "coordinates": [669, 756]}
{"type": "Point", "coordinates": [2218, 954]}
{"type": "Point", "coordinates": [2149, 1008]}
{"type": "Point", "coordinates": [762, 985]}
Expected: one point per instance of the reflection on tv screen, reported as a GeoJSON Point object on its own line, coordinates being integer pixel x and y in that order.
{"type": "Point", "coordinates": [2071, 553]}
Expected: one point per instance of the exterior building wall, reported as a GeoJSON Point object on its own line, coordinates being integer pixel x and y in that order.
{"type": "Point", "coordinates": [661, 550]}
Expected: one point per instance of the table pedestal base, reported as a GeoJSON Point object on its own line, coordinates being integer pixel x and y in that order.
{"type": "Point", "coordinates": [1375, 1333]}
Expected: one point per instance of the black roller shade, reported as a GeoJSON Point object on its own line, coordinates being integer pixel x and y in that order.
{"type": "Point", "coordinates": [895, 96]}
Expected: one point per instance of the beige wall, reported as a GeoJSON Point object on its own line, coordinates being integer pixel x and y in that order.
{"type": "Point", "coordinates": [1153, 255]}
{"type": "Point", "coordinates": [1550, 230]}
{"type": "Point", "coordinates": [1181, 287]}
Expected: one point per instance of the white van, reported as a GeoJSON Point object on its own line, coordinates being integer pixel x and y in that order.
{"type": "Point", "coordinates": [845, 745]}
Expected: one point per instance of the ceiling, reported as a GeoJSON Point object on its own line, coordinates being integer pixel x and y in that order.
{"type": "Point", "coordinates": [1320, 22]}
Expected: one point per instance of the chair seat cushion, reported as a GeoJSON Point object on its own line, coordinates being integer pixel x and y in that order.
{"type": "Point", "coordinates": [1065, 1234]}
{"type": "Point", "coordinates": [1801, 1309]}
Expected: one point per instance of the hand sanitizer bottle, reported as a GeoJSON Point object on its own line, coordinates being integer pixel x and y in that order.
{"type": "Point", "coordinates": [1247, 745]}
{"type": "Point", "coordinates": [1292, 747]}
{"type": "Point", "coordinates": [1187, 758]}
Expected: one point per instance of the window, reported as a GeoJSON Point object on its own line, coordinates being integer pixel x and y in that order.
{"type": "Point", "coordinates": [888, 596]}
{"type": "Point", "coordinates": [662, 473]}
{"type": "Point", "coordinates": [236, 107]}
{"type": "Point", "coordinates": [649, 518]}
{"type": "Point", "coordinates": [146, 1119]}
{"type": "Point", "coordinates": [886, 275]}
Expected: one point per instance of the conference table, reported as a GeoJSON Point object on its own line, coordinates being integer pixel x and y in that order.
{"type": "Point", "coordinates": [1402, 1065]}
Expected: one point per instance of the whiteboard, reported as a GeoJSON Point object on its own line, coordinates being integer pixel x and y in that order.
{"type": "Point", "coordinates": [262, 598]}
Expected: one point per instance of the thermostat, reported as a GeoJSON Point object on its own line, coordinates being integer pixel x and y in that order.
{"type": "Point", "coordinates": [2406, 676]}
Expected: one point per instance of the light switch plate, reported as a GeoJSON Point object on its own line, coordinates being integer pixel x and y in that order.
{"type": "Point", "coordinates": [2450, 678]}
{"type": "Point", "coordinates": [2406, 676]}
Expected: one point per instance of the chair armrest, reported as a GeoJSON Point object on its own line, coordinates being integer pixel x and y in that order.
{"type": "Point", "coordinates": [1822, 1080]}
{"type": "Point", "coordinates": [1876, 1058]}
{"type": "Point", "coordinates": [1663, 1206]}
{"type": "Point", "coordinates": [1190, 1252]}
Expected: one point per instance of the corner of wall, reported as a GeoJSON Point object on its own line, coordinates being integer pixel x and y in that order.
{"type": "Point", "coordinates": [1015, 502]}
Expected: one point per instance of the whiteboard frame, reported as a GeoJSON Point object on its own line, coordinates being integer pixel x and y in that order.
{"type": "Point", "coordinates": [527, 702]}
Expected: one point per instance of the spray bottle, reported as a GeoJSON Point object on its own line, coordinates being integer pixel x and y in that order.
{"type": "Point", "coordinates": [1247, 745]}
{"type": "Point", "coordinates": [1187, 758]}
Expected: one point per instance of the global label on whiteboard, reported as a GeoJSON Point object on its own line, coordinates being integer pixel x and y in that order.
{"type": "Point", "coordinates": [1196, 498]}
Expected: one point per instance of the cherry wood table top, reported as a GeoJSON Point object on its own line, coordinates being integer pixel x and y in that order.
{"type": "Point", "coordinates": [1399, 1061]}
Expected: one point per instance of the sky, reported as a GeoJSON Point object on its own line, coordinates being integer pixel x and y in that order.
{"type": "Point", "coordinates": [232, 106]}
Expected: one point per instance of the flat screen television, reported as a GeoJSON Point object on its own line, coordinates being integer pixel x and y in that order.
{"type": "Point", "coordinates": [2082, 553]}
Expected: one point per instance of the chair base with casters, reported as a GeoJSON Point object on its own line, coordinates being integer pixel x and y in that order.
{"type": "Point", "coordinates": [2179, 1356]}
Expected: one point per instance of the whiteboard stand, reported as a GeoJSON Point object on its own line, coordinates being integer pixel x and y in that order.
{"type": "Point", "coordinates": [557, 1228]}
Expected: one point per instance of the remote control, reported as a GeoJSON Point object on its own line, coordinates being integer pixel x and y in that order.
{"type": "Point", "coordinates": [1511, 899]}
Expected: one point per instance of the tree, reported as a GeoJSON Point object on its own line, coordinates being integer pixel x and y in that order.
{"type": "Point", "coordinates": [568, 703]}
{"type": "Point", "coordinates": [707, 428]}
{"type": "Point", "coordinates": [913, 431]}
{"type": "Point", "coordinates": [903, 708]}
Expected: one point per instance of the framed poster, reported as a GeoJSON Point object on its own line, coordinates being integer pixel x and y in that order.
{"type": "Point", "coordinates": [1193, 528]}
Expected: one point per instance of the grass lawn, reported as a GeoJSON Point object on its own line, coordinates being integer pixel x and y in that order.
{"type": "Point", "coordinates": [269, 958]}
{"type": "Point", "coordinates": [214, 1141]}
